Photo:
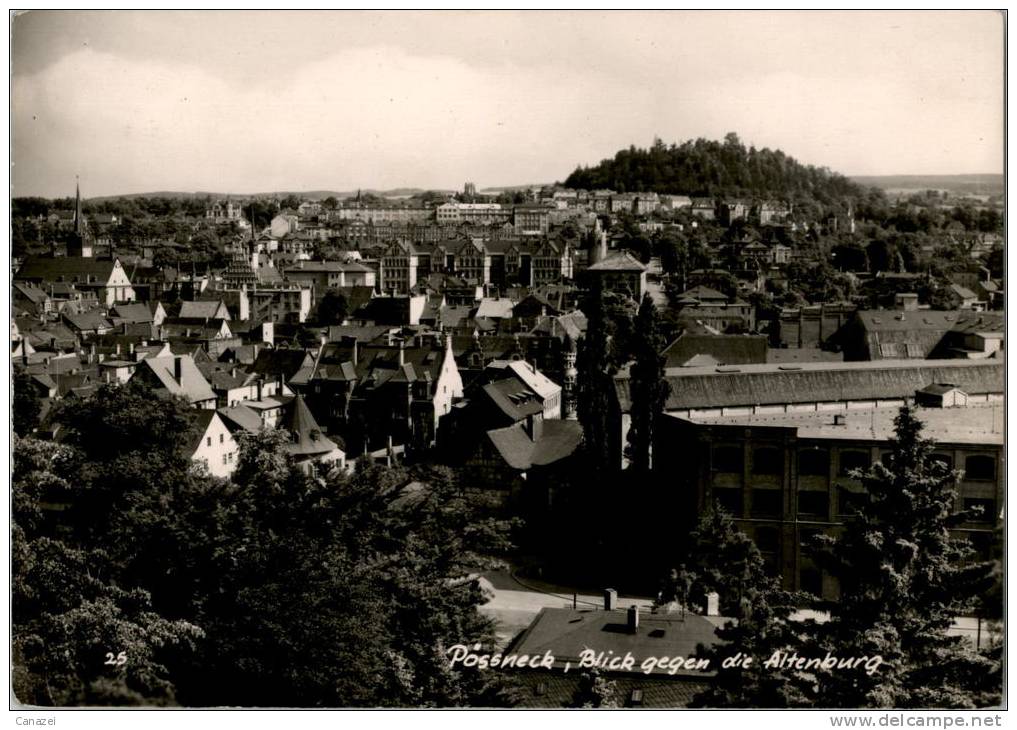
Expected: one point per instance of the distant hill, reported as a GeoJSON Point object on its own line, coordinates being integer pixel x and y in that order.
{"type": "Point", "coordinates": [987, 184]}
{"type": "Point", "coordinates": [714, 169]}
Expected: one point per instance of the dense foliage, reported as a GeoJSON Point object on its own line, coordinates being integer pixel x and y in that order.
{"type": "Point", "coordinates": [718, 169]}
{"type": "Point", "coordinates": [275, 589]}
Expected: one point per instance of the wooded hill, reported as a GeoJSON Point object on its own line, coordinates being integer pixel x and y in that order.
{"type": "Point", "coordinates": [714, 169]}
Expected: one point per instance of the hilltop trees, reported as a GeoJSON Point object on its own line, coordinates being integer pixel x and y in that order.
{"type": "Point", "coordinates": [719, 169]}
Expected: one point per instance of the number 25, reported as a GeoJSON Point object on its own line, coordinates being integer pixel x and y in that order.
{"type": "Point", "coordinates": [118, 661]}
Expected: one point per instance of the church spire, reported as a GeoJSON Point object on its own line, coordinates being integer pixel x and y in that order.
{"type": "Point", "coordinates": [78, 220]}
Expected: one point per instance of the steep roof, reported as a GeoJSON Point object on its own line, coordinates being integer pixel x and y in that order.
{"type": "Point", "coordinates": [70, 268]}
{"type": "Point", "coordinates": [191, 385]}
{"type": "Point", "coordinates": [204, 309]}
{"type": "Point", "coordinates": [306, 436]}
{"type": "Point", "coordinates": [558, 440]}
{"type": "Point", "coordinates": [512, 398]}
{"type": "Point", "coordinates": [529, 375]}
{"type": "Point", "coordinates": [241, 417]}
{"type": "Point", "coordinates": [751, 385]}
{"type": "Point", "coordinates": [133, 313]}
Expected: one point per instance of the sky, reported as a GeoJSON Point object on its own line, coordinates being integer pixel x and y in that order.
{"type": "Point", "coordinates": [258, 101]}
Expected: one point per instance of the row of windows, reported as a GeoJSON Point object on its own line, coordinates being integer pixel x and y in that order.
{"type": "Point", "coordinates": [769, 503]}
{"type": "Point", "coordinates": [816, 462]}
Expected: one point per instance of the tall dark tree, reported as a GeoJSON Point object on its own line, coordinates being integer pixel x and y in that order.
{"type": "Point", "coordinates": [333, 308]}
{"type": "Point", "coordinates": [904, 578]}
{"type": "Point", "coordinates": [26, 406]}
{"type": "Point", "coordinates": [594, 363]}
{"type": "Point", "coordinates": [648, 386]}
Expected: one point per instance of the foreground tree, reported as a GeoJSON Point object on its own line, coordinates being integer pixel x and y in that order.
{"type": "Point", "coordinates": [26, 406]}
{"type": "Point", "coordinates": [724, 560]}
{"type": "Point", "coordinates": [904, 579]}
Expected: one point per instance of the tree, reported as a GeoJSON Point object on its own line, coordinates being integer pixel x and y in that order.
{"type": "Point", "coordinates": [903, 580]}
{"type": "Point", "coordinates": [594, 691]}
{"type": "Point", "coordinates": [26, 406]}
{"type": "Point", "coordinates": [595, 381]}
{"type": "Point", "coordinates": [333, 308]}
{"type": "Point", "coordinates": [647, 384]}
{"type": "Point", "coordinates": [724, 560]}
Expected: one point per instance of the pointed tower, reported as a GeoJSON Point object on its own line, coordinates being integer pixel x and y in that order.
{"type": "Point", "coordinates": [80, 242]}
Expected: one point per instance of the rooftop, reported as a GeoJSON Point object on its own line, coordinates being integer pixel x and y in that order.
{"type": "Point", "coordinates": [972, 424]}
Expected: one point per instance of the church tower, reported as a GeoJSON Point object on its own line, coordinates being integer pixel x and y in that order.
{"type": "Point", "coordinates": [80, 242]}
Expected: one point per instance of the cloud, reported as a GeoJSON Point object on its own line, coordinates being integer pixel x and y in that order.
{"type": "Point", "coordinates": [136, 102]}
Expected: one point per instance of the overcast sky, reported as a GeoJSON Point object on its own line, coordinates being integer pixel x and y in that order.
{"type": "Point", "coordinates": [264, 101]}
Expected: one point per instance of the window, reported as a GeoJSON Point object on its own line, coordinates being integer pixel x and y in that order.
{"type": "Point", "coordinates": [208, 441]}
{"type": "Point", "coordinates": [814, 503]}
{"type": "Point", "coordinates": [767, 539]}
{"type": "Point", "coordinates": [767, 461]}
{"type": "Point", "coordinates": [851, 460]}
{"type": "Point", "coordinates": [728, 459]}
{"type": "Point", "coordinates": [811, 580]}
{"type": "Point", "coordinates": [814, 462]}
{"type": "Point", "coordinates": [945, 459]}
{"type": "Point", "coordinates": [221, 438]}
{"type": "Point", "coordinates": [980, 467]}
{"type": "Point", "coordinates": [986, 509]}
{"type": "Point", "coordinates": [729, 500]}
{"type": "Point", "coordinates": [224, 458]}
{"type": "Point", "coordinates": [849, 502]}
{"type": "Point", "coordinates": [767, 502]}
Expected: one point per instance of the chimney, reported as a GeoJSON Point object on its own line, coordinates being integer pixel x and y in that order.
{"type": "Point", "coordinates": [130, 348]}
{"type": "Point", "coordinates": [633, 619]}
{"type": "Point", "coordinates": [534, 426]}
{"type": "Point", "coordinates": [178, 368]}
{"type": "Point", "coordinates": [713, 604]}
{"type": "Point", "coordinates": [610, 599]}
{"type": "Point", "coordinates": [261, 385]}
{"type": "Point", "coordinates": [402, 354]}
{"type": "Point", "coordinates": [233, 372]}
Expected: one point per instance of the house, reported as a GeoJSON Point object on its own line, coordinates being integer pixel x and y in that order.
{"type": "Point", "coordinates": [664, 672]}
{"type": "Point", "coordinates": [177, 376]}
{"type": "Point", "coordinates": [920, 334]}
{"type": "Point", "coordinates": [548, 393]}
{"type": "Point", "coordinates": [620, 273]}
{"type": "Point", "coordinates": [213, 444]}
{"type": "Point", "coordinates": [203, 310]}
{"type": "Point", "coordinates": [308, 445]}
{"type": "Point", "coordinates": [395, 391]}
{"type": "Point", "coordinates": [106, 280]}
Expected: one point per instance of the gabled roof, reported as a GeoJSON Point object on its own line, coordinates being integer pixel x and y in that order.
{"type": "Point", "coordinates": [192, 384]}
{"type": "Point", "coordinates": [204, 309]}
{"type": "Point", "coordinates": [88, 321]}
{"type": "Point", "coordinates": [526, 373]}
{"type": "Point", "coordinates": [132, 313]}
{"type": "Point", "coordinates": [40, 268]}
{"type": "Point", "coordinates": [512, 398]}
{"type": "Point", "coordinates": [241, 417]}
{"type": "Point", "coordinates": [619, 261]}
